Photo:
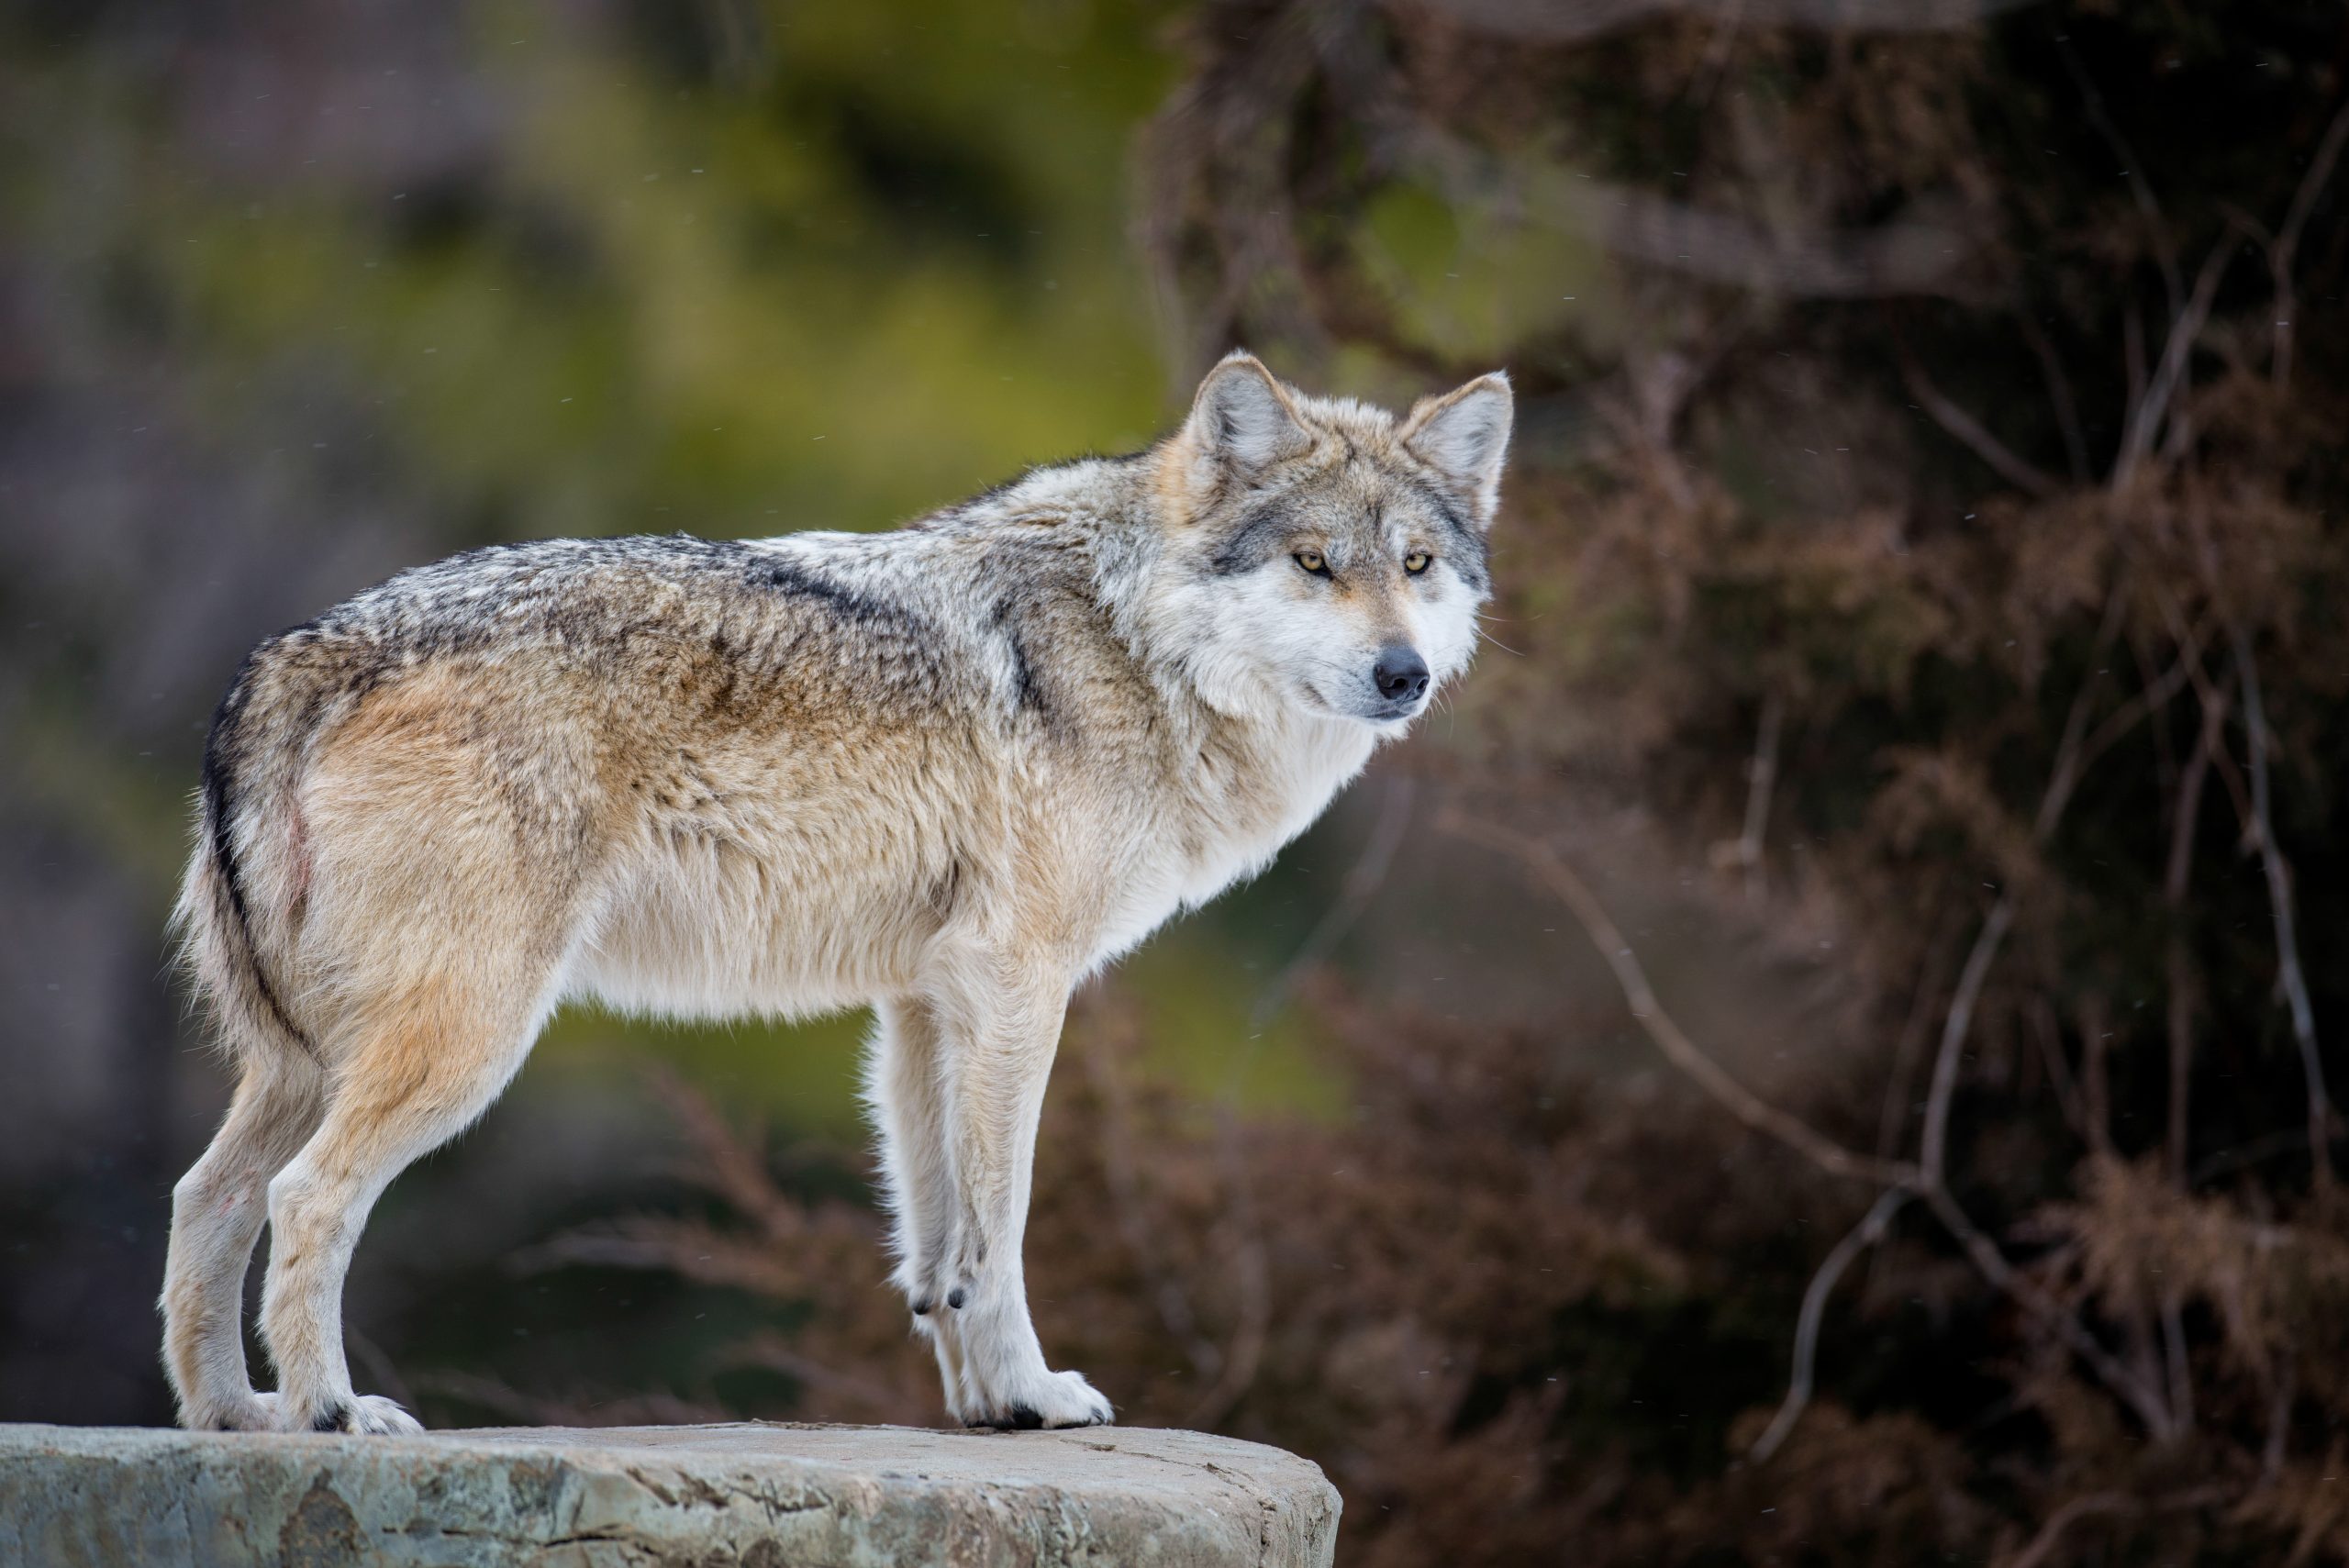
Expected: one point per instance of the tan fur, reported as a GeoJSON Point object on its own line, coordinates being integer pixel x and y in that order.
{"type": "Point", "coordinates": [945, 772]}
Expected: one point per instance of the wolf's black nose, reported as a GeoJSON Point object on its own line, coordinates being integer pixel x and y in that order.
{"type": "Point", "coordinates": [1401, 675]}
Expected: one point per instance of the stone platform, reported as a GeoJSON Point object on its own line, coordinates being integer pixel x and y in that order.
{"type": "Point", "coordinates": [743, 1495]}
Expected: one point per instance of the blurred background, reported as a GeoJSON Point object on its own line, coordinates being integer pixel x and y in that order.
{"type": "Point", "coordinates": [1825, 1050]}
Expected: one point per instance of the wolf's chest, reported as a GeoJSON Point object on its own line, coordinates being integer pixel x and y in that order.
{"type": "Point", "coordinates": [1229, 824]}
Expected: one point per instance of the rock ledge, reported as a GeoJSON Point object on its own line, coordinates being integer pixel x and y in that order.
{"type": "Point", "coordinates": [750, 1494]}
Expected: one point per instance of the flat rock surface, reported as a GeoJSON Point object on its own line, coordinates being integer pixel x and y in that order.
{"type": "Point", "coordinates": [756, 1494]}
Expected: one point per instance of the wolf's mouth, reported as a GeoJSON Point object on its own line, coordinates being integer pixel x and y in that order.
{"type": "Point", "coordinates": [1378, 716]}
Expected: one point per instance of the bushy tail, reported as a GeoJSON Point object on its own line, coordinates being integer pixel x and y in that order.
{"type": "Point", "coordinates": [246, 762]}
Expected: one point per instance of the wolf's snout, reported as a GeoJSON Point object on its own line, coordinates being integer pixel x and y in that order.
{"type": "Point", "coordinates": [1400, 675]}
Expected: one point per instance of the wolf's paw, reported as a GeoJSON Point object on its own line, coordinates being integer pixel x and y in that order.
{"type": "Point", "coordinates": [246, 1412]}
{"type": "Point", "coordinates": [369, 1414]}
{"type": "Point", "coordinates": [1057, 1399]}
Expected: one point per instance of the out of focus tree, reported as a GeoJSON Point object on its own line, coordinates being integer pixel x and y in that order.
{"type": "Point", "coordinates": [1930, 514]}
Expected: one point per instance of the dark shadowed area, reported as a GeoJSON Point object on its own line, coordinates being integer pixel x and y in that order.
{"type": "Point", "coordinates": [1826, 1049]}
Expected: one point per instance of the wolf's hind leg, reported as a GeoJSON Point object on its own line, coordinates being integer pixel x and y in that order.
{"type": "Point", "coordinates": [425, 1065]}
{"type": "Point", "coordinates": [905, 1090]}
{"type": "Point", "coordinates": [216, 1214]}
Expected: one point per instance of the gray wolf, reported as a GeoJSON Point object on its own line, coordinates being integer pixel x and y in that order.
{"type": "Point", "coordinates": [945, 772]}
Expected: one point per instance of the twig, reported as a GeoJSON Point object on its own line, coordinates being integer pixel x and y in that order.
{"type": "Point", "coordinates": [1567, 21]}
{"type": "Point", "coordinates": [2071, 756]}
{"type": "Point", "coordinates": [2279, 903]}
{"type": "Point", "coordinates": [1762, 777]}
{"type": "Point", "coordinates": [1354, 896]}
{"type": "Point", "coordinates": [1933, 1152]}
{"type": "Point", "coordinates": [2164, 254]}
{"type": "Point", "coordinates": [2176, 876]}
{"type": "Point", "coordinates": [2044, 1024]}
{"type": "Point", "coordinates": [1894, 1116]}
{"type": "Point", "coordinates": [2145, 419]}
{"type": "Point", "coordinates": [2180, 1371]}
{"type": "Point", "coordinates": [2043, 1543]}
{"type": "Point", "coordinates": [1252, 1275]}
{"type": "Point", "coordinates": [881, 1402]}
{"type": "Point", "coordinates": [380, 1370]}
{"type": "Point", "coordinates": [2213, 697]}
{"type": "Point", "coordinates": [2281, 254]}
{"type": "Point", "coordinates": [1134, 1228]}
{"type": "Point", "coordinates": [2059, 393]}
{"type": "Point", "coordinates": [1972, 434]}
{"type": "Point", "coordinates": [2027, 1293]}
{"type": "Point", "coordinates": [1555, 875]}
{"type": "Point", "coordinates": [1866, 1234]}
{"type": "Point", "coordinates": [2193, 1497]}
{"type": "Point", "coordinates": [2280, 1419]}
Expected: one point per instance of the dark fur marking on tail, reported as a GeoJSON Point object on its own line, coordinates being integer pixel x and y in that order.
{"type": "Point", "coordinates": [219, 804]}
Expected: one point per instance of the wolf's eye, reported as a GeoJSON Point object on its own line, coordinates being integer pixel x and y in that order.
{"type": "Point", "coordinates": [1417, 562]}
{"type": "Point", "coordinates": [1312, 562]}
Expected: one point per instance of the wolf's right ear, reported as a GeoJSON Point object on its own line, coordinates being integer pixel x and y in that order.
{"type": "Point", "coordinates": [1241, 418]}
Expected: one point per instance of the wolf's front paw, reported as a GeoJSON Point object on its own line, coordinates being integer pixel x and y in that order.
{"type": "Point", "coordinates": [369, 1414]}
{"type": "Point", "coordinates": [1056, 1399]}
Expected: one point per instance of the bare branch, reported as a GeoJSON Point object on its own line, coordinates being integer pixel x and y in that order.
{"type": "Point", "coordinates": [1760, 780]}
{"type": "Point", "coordinates": [2184, 989]}
{"type": "Point", "coordinates": [1890, 258]}
{"type": "Point", "coordinates": [2280, 1419]}
{"type": "Point", "coordinates": [2279, 903]}
{"type": "Point", "coordinates": [1934, 1153]}
{"type": "Point", "coordinates": [2065, 775]}
{"type": "Point", "coordinates": [2281, 253]}
{"type": "Point", "coordinates": [2045, 1543]}
{"type": "Point", "coordinates": [2059, 394]}
{"type": "Point", "coordinates": [2180, 1371]}
{"type": "Point", "coordinates": [2132, 169]}
{"type": "Point", "coordinates": [1970, 432]}
{"type": "Point", "coordinates": [1553, 873]}
{"type": "Point", "coordinates": [1571, 21]}
{"type": "Point", "coordinates": [1134, 1225]}
{"type": "Point", "coordinates": [2145, 420]}
{"type": "Point", "coordinates": [2078, 1509]}
{"type": "Point", "coordinates": [1355, 896]}
{"type": "Point", "coordinates": [1894, 1116]}
{"type": "Point", "coordinates": [1252, 1277]}
{"type": "Point", "coordinates": [1866, 1234]}
{"type": "Point", "coordinates": [1993, 1266]}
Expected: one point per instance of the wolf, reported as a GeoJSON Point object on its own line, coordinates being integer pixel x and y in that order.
{"type": "Point", "coordinates": [945, 772]}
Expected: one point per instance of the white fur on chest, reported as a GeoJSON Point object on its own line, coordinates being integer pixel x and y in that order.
{"type": "Point", "coordinates": [1227, 845]}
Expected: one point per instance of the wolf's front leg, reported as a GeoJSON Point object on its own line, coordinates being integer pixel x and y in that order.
{"type": "Point", "coordinates": [1000, 1033]}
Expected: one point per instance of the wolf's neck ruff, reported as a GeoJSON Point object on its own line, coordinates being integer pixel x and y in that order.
{"type": "Point", "coordinates": [944, 773]}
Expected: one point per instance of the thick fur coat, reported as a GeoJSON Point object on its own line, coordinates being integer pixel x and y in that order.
{"type": "Point", "coordinates": [944, 771]}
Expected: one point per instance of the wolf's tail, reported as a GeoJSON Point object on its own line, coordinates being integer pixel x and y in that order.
{"type": "Point", "coordinates": [240, 903]}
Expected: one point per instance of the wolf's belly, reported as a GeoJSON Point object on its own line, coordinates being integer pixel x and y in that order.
{"type": "Point", "coordinates": [706, 930]}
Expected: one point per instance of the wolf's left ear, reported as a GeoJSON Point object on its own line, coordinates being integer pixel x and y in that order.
{"type": "Point", "coordinates": [1463, 435]}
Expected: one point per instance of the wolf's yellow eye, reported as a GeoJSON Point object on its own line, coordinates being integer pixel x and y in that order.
{"type": "Point", "coordinates": [1417, 562]}
{"type": "Point", "coordinates": [1312, 562]}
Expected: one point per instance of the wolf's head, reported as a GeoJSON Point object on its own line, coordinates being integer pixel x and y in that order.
{"type": "Point", "coordinates": [1326, 553]}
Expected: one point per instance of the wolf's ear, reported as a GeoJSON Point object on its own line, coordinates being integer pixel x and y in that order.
{"type": "Point", "coordinates": [1241, 418]}
{"type": "Point", "coordinates": [1463, 435]}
